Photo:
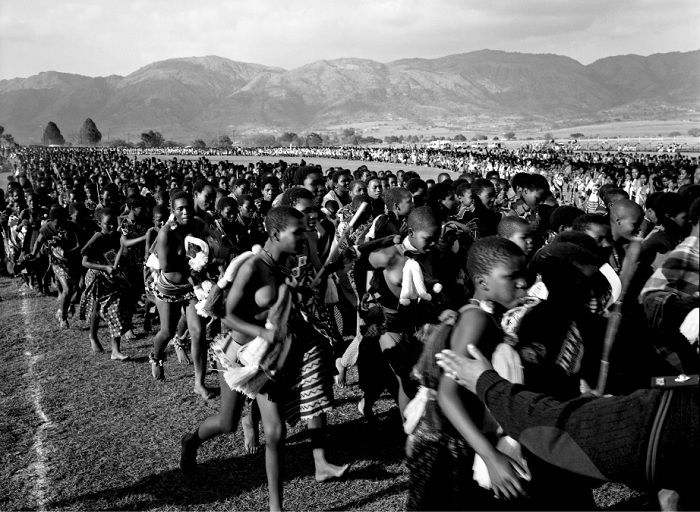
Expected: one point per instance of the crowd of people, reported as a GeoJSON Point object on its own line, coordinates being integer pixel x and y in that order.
{"type": "Point", "coordinates": [518, 310]}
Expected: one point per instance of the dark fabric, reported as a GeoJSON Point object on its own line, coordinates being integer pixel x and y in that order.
{"type": "Point", "coordinates": [603, 438]}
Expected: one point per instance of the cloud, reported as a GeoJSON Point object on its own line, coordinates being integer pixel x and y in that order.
{"type": "Point", "coordinates": [118, 36]}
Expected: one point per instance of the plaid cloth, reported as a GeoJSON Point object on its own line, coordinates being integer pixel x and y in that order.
{"type": "Point", "coordinates": [679, 273]}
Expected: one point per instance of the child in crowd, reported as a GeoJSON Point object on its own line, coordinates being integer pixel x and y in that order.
{"type": "Point", "coordinates": [441, 449]}
{"type": "Point", "coordinates": [105, 286]}
{"type": "Point", "coordinates": [518, 231]}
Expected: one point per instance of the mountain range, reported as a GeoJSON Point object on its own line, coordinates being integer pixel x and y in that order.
{"type": "Point", "coordinates": [204, 96]}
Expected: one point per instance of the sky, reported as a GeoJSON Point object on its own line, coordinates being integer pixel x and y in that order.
{"type": "Point", "coordinates": [105, 37]}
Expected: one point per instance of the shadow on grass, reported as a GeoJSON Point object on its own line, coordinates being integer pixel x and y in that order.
{"type": "Point", "coordinates": [226, 478]}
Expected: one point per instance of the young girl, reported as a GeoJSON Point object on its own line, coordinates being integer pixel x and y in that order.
{"type": "Point", "coordinates": [105, 287]}
{"type": "Point", "coordinates": [61, 237]}
{"type": "Point", "coordinates": [441, 449]}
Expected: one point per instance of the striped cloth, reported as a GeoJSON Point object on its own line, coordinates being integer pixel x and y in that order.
{"type": "Point", "coordinates": [679, 272]}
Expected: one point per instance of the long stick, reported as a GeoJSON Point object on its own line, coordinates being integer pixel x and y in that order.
{"type": "Point", "coordinates": [629, 267]}
{"type": "Point", "coordinates": [343, 238]}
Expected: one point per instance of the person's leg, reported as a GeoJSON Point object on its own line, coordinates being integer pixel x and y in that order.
{"type": "Point", "coordinates": [64, 294]}
{"type": "Point", "coordinates": [324, 469]}
{"type": "Point", "coordinates": [179, 340]}
{"type": "Point", "coordinates": [111, 313]}
{"type": "Point", "coordinates": [390, 344]}
{"type": "Point", "coordinates": [198, 335]}
{"type": "Point", "coordinates": [224, 422]}
{"type": "Point", "coordinates": [251, 431]}
{"type": "Point", "coordinates": [94, 326]}
{"type": "Point", "coordinates": [169, 314]}
{"type": "Point", "coordinates": [275, 433]}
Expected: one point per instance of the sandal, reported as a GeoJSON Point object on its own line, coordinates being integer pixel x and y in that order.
{"type": "Point", "coordinates": [157, 370]}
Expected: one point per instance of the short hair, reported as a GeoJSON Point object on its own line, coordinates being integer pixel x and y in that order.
{"type": "Point", "coordinates": [564, 216]}
{"type": "Point", "coordinates": [332, 204]}
{"type": "Point", "coordinates": [509, 226]}
{"type": "Point", "coordinates": [440, 191]}
{"type": "Point", "coordinates": [241, 181]}
{"type": "Point", "coordinates": [302, 172]}
{"type": "Point", "coordinates": [277, 219]}
{"type": "Point", "coordinates": [492, 175]}
{"type": "Point", "coordinates": [651, 200]}
{"type": "Point", "coordinates": [179, 194]}
{"type": "Point", "coordinates": [296, 194]}
{"type": "Point", "coordinates": [422, 218]}
{"type": "Point", "coordinates": [415, 184]}
{"type": "Point", "coordinates": [243, 198]}
{"type": "Point", "coordinates": [354, 183]}
{"type": "Point", "coordinates": [614, 191]}
{"type": "Point", "coordinates": [395, 195]}
{"type": "Point", "coordinates": [272, 180]}
{"type": "Point", "coordinates": [161, 209]}
{"type": "Point", "coordinates": [462, 188]}
{"type": "Point", "coordinates": [584, 222]}
{"type": "Point", "coordinates": [519, 179]}
{"type": "Point", "coordinates": [670, 204]}
{"type": "Point", "coordinates": [136, 201]}
{"type": "Point", "coordinates": [338, 174]}
{"type": "Point", "coordinates": [487, 253]}
{"type": "Point", "coordinates": [481, 184]}
{"type": "Point", "coordinates": [226, 202]}
{"type": "Point", "coordinates": [536, 182]}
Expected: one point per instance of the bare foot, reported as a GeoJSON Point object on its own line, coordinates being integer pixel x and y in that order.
{"type": "Point", "coordinates": [251, 439]}
{"type": "Point", "coordinates": [118, 356]}
{"type": "Point", "coordinates": [157, 370]}
{"type": "Point", "coordinates": [203, 392]}
{"type": "Point", "coordinates": [180, 351]}
{"type": "Point", "coordinates": [96, 346]}
{"type": "Point", "coordinates": [63, 324]}
{"type": "Point", "coordinates": [340, 379]}
{"type": "Point", "coordinates": [330, 471]}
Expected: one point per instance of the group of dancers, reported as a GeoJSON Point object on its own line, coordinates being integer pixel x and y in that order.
{"type": "Point", "coordinates": [282, 277]}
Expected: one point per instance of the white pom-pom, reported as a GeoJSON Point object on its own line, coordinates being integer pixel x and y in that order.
{"type": "Point", "coordinates": [437, 288]}
{"type": "Point", "coordinates": [256, 248]}
{"type": "Point", "coordinates": [404, 302]}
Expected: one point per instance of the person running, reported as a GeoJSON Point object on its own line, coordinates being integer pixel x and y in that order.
{"type": "Point", "coordinates": [105, 286]}
{"type": "Point", "coordinates": [174, 286]}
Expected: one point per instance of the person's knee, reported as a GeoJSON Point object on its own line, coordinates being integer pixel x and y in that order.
{"type": "Point", "coordinates": [227, 425]}
{"type": "Point", "coordinates": [274, 433]}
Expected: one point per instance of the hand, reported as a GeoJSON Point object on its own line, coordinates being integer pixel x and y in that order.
{"type": "Point", "coordinates": [505, 475]}
{"type": "Point", "coordinates": [109, 269]}
{"type": "Point", "coordinates": [464, 370]}
{"type": "Point", "coordinates": [268, 335]}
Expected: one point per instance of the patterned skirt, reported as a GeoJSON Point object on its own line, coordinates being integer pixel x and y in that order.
{"type": "Point", "coordinates": [307, 387]}
{"type": "Point", "coordinates": [105, 295]}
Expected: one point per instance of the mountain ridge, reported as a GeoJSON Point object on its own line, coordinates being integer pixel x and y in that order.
{"type": "Point", "coordinates": [199, 96]}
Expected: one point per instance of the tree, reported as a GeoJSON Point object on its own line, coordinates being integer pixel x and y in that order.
{"type": "Point", "coordinates": [577, 135]}
{"type": "Point", "coordinates": [675, 134]}
{"type": "Point", "coordinates": [509, 135]}
{"type": "Point", "coordinates": [52, 135]}
{"type": "Point", "coordinates": [89, 134]}
{"type": "Point", "coordinates": [495, 138]}
{"type": "Point", "coordinates": [459, 138]}
{"type": "Point", "coordinates": [224, 141]}
{"type": "Point", "coordinates": [548, 136]}
{"type": "Point", "coordinates": [479, 137]}
{"type": "Point", "coordinates": [2, 130]}
{"type": "Point", "coordinates": [289, 139]}
{"type": "Point", "coordinates": [171, 144]}
{"type": "Point", "coordinates": [314, 139]}
{"type": "Point", "coordinates": [199, 144]}
{"type": "Point", "coordinates": [119, 143]}
{"type": "Point", "coordinates": [152, 139]}
{"type": "Point", "coordinates": [694, 132]}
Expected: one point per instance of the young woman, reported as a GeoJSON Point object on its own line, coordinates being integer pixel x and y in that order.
{"type": "Point", "coordinates": [174, 287]}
